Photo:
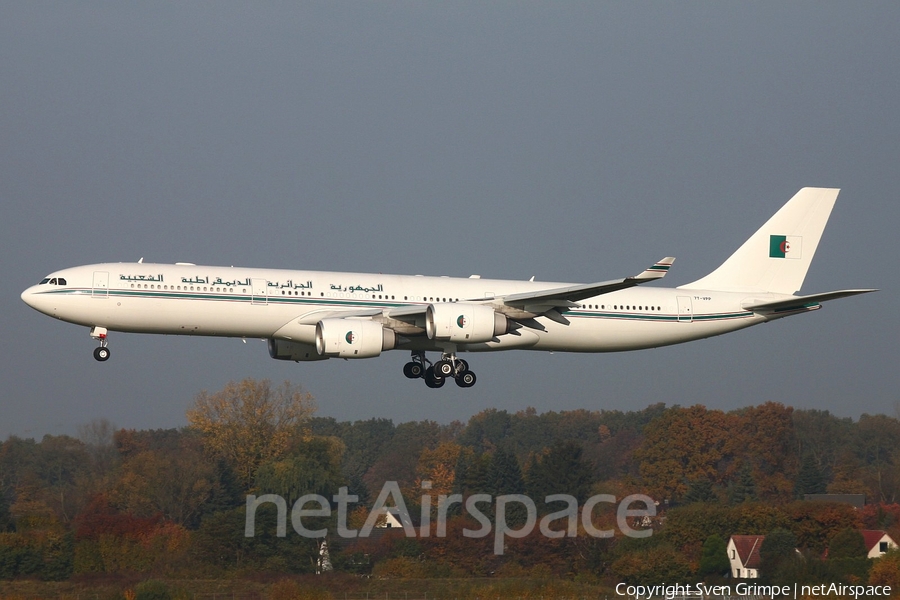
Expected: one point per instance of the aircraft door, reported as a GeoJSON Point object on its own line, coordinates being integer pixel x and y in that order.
{"type": "Point", "coordinates": [100, 288]}
{"type": "Point", "coordinates": [685, 309]}
{"type": "Point", "coordinates": [260, 290]}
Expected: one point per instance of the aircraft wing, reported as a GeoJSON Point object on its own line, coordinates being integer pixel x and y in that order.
{"type": "Point", "coordinates": [524, 306]}
{"type": "Point", "coordinates": [800, 302]}
{"type": "Point", "coordinates": [566, 296]}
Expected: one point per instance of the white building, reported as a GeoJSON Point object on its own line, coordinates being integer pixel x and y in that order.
{"type": "Point", "coordinates": [877, 542]}
{"type": "Point", "coordinates": [743, 554]}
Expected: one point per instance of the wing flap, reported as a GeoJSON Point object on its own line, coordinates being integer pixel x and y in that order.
{"type": "Point", "coordinates": [311, 318]}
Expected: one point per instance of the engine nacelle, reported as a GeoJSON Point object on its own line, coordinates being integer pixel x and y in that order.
{"type": "Point", "coordinates": [464, 323]}
{"type": "Point", "coordinates": [285, 350]}
{"type": "Point", "coordinates": [352, 338]}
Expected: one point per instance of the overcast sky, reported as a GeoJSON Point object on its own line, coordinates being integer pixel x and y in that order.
{"type": "Point", "coordinates": [567, 141]}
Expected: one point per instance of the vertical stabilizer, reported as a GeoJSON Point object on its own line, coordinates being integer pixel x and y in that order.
{"type": "Point", "coordinates": [777, 257]}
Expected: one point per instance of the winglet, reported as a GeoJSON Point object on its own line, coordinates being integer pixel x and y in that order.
{"type": "Point", "coordinates": [658, 270]}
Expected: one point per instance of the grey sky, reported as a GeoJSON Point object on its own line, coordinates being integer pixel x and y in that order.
{"type": "Point", "coordinates": [569, 141]}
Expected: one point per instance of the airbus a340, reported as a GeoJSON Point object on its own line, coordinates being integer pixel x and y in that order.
{"type": "Point", "coordinates": [316, 315]}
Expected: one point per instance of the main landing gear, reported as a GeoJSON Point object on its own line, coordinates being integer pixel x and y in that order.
{"type": "Point", "coordinates": [436, 374]}
{"type": "Point", "coordinates": [102, 352]}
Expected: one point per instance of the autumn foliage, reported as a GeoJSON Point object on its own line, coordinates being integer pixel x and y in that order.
{"type": "Point", "coordinates": [171, 503]}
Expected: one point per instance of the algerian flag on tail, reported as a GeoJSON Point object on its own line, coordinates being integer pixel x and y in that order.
{"type": "Point", "coordinates": [785, 246]}
{"type": "Point", "coordinates": [753, 268]}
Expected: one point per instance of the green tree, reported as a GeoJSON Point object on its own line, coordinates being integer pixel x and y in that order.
{"type": "Point", "coordinates": [6, 522]}
{"type": "Point", "coordinates": [744, 489]}
{"type": "Point", "coordinates": [778, 556]}
{"type": "Point", "coordinates": [687, 526]}
{"type": "Point", "coordinates": [63, 470]}
{"type": "Point", "coordinates": [561, 470]}
{"type": "Point", "coordinates": [313, 467]}
{"type": "Point", "coordinates": [878, 449]}
{"type": "Point", "coordinates": [847, 543]}
{"type": "Point", "coordinates": [220, 542]}
{"type": "Point", "coordinates": [152, 589]}
{"type": "Point", "coordinates": [714, 557]}
{"type": "Point", "coordinates": [98, 437]}
{"type": "Point", "coordinates": [504, 475]}
{"type": "Point", "coordinates": [486, 430]}
{"type": "Point", "coordinates": [176, 482]}
{"type": "Point", "coordinates": [399, 456]}
{"type": "Point", "coordinates": [364, 441]}
{"type": "Point", "coordinates": [809, 479]}
{"type": "Point", "coordinates": [471, 473]}
{"type": "Point", "coordinates": [822, 435]}
{"type": "Point", "coordinates": [700, 491]}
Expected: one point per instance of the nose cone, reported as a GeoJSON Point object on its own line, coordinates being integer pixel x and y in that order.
{"type": "Point", "coordinates": [33, 299]}
{"type": "Point", "coordinates": [26, 296]}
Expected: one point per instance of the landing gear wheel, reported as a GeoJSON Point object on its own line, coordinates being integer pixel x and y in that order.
{"type": "Point", "coordinates": [443, 368]}
{"type": "Point", "coordinates": [413, 370]}
{"type": "Point", "coordinates": [101, 353]}
{"type": "Point", "coordinates": [431, 380]}
{"type": "Point", "coordinates": [466, 380]}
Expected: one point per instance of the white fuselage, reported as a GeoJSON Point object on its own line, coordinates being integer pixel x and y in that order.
{"type": "Point", "coordinates": [283, 304]}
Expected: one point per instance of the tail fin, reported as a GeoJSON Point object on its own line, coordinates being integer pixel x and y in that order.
{"type": "Point", "coordinates": [776, 258]}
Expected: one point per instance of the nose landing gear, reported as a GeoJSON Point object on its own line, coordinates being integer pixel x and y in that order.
{"type": "Point", "coordinates": [101, 353]}
{"type": "Point", "coordinates": [436, 374]}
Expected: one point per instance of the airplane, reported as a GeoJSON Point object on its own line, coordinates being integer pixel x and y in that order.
{"type": "Point", "coordinates": [317, 315]}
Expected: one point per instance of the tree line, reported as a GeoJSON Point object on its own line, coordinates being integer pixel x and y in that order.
{"type": "Point", "coordinates": [172, 502]}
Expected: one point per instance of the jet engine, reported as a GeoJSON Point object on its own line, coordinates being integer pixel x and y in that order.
{"type": "Point", "coordinates": [285, 350]}
{"type": "Point", "coordinates": [464, 323]}
{"type": "Point", "coordinates": [352, 338]}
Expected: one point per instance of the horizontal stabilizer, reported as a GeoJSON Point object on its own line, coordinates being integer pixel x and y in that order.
{"type": "Point", "coordinates": [798, 302]}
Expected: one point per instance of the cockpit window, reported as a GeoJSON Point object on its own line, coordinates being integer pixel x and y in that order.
{"type": "Point", "coordinates": [44, 280]}
{"type": "Point", "coordinates": [61, 281]}
{"type": "Point", "coordinates": [54, 281]}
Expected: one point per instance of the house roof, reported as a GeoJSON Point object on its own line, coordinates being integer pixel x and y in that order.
{"type": "Point", "coordinates": [871, 537]}
{"type": "Point", "coordinates": [747, 547]}
{"type": "Point", "coordinates": [857, 500]}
